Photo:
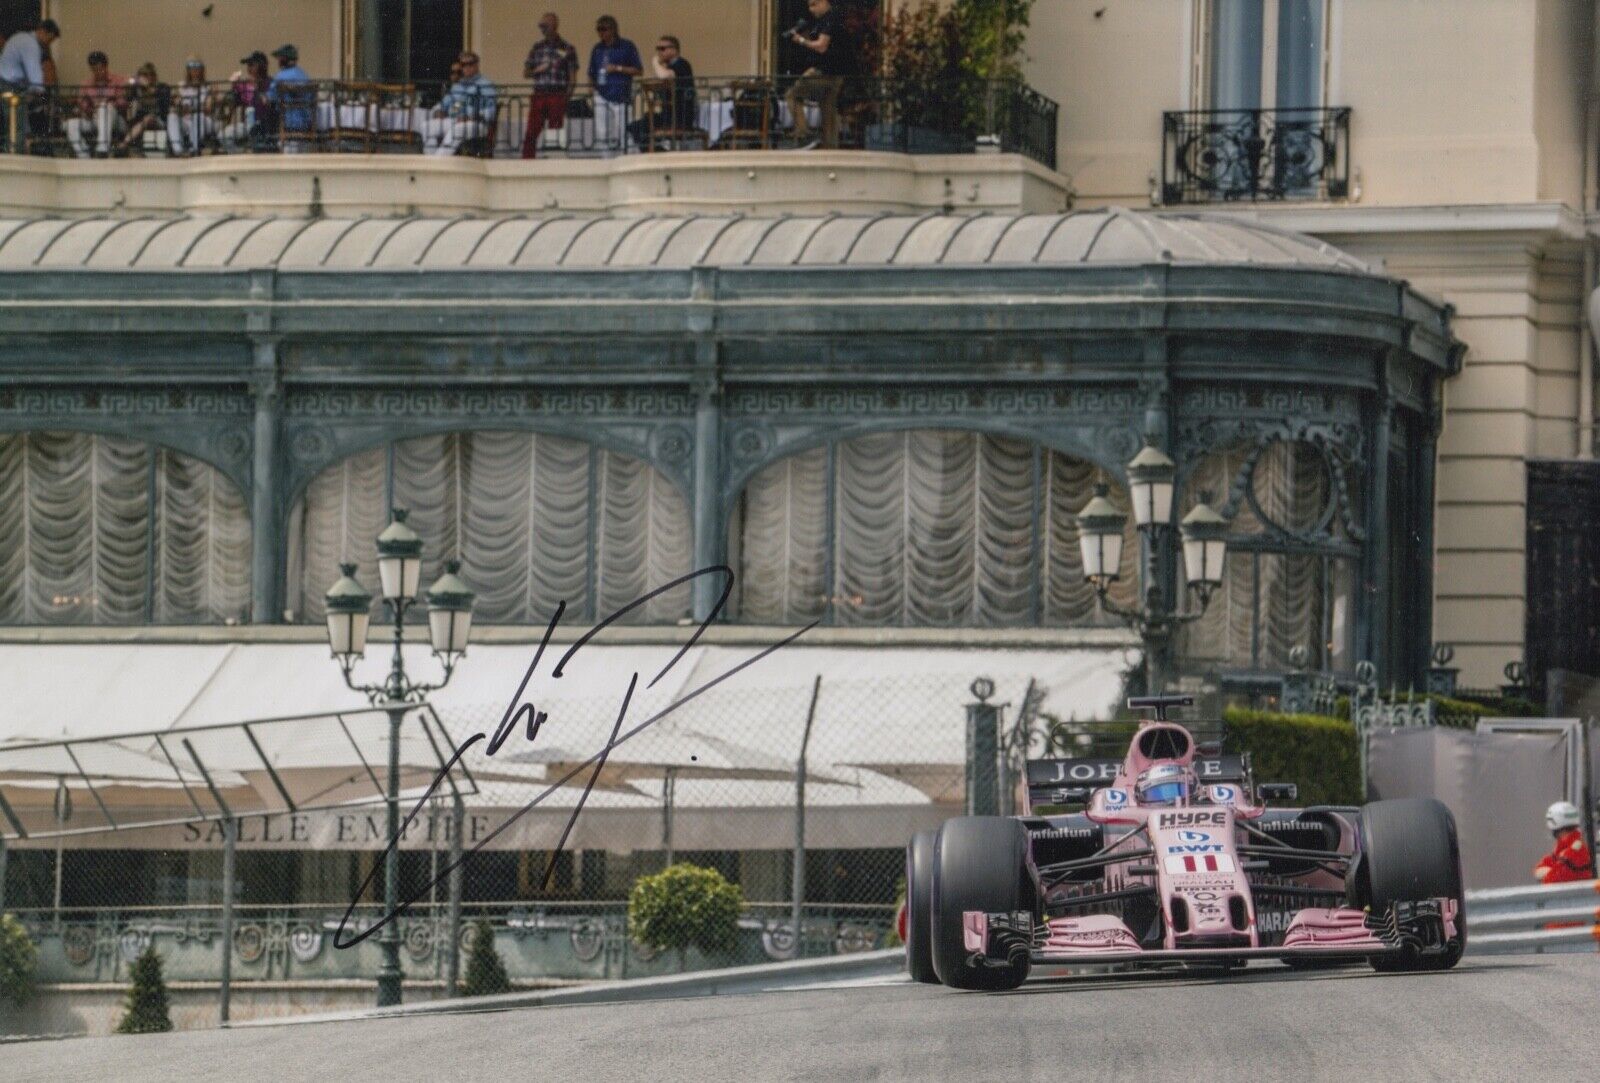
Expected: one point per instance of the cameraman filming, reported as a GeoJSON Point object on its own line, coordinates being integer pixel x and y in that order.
{"type": "Point", "coordinates": [822, 34]}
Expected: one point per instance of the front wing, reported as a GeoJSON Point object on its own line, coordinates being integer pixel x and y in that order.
{"type": "Point", "coordinates": [1005, 939]}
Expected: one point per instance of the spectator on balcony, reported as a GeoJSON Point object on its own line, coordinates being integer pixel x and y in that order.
{"type": "Point", "coordinates": [26, 69]}
{"type": "Point", "coordinates": [552, 65]}
{"type": "Point", "coordinates": [189, 124]}
{"type": "Point", "coordinates": [822, 35]}
{"type": "Point", "coordinates": [101, 101]}
{"type": "Point", "coordinates": [613, 62]}
{"type": "Point", "coordinates": [468, 108]}
{"type": "Point", "coordinates": [294, 101]}
{"type": "Point", "coordinates": [675, 111]}
{"type": "Point", "coordinates": [246, 115]}
{"type": "Point", "coordinates": [436, 123]}
{"type": "Point", "coordinates": [149, 105]}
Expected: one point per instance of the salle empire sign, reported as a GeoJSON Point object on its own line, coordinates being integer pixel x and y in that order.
{"type": "Point", "coordinates": [355, 829]}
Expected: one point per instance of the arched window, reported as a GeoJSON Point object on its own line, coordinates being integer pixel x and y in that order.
{"type": "Point", "coordinates": [926, 527]}
{"type": "Point", "coordinates": [1292, 567]}
{"type": "Point", "coordinates": [535, 520]}
{"type": "Point", "coordinates": [108, 530]}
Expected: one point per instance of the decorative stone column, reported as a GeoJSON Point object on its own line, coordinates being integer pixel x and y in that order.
{"type": "Point", "coordinates": [266, 556]}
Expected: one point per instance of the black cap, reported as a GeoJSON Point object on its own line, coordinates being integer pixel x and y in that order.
{"type": "Point", "coordinates": [257, 57]}
{"type": "Point", "coordinates": [287, 52]}
{"type": "Point", "coordinates": [49, 26]}
{"type": "Point", "coordinates": [97, 57]}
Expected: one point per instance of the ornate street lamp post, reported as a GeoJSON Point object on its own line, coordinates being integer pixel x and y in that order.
{"type": "Point", "coordinates": [349, 609]}
{"type": "Point", "coordinates": [1151, 476]}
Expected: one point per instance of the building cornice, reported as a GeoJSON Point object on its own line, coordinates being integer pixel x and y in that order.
{"type": "Point", "coordinates": [1546, 223]}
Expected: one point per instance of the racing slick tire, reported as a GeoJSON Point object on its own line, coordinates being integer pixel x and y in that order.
{"type": "Point", "coordinates": [919, 904]}
{"type": "Point", "coordinates": [1410, 853]}
{"type": "Point", "coordinates": [979, 863]}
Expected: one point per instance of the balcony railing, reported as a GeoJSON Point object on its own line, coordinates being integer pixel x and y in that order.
{"type": "Point", "coordinates": [357, 117]}
{"type": "Point", "coordinates": [1255, 154]}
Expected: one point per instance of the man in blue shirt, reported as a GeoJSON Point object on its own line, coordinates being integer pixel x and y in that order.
{"type": "Point", "coordinates": [613, 62]}
{"type": "Point", "coordinates": [22, 64]}
{"type": "Point", "coordinates": [468, 108]}
{"type": "Point", "coordinates": [296, 103]}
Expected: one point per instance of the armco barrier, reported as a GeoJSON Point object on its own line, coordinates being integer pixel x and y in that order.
{"type": "Point", "coordinates": [1534, 920]}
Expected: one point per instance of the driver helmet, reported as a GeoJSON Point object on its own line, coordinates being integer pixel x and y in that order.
{"type": "Point", "coordinates": [1164, 784]}
{"type": "Point", "coordinates": [1561, 816]}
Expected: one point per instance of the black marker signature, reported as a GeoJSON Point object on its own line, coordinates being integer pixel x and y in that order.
{"type": "Point", "coordinates": [519, 712]}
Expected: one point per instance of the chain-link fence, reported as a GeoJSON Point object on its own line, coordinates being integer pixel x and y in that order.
{"type": "Point", "coordinates": [739, 778]}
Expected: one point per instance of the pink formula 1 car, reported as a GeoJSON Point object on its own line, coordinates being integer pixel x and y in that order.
{"type": "Point", "coordinates": [1173, 860]}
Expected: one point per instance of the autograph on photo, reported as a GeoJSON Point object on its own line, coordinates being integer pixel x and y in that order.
{"type": "Point", "coordinates": [527, 714]}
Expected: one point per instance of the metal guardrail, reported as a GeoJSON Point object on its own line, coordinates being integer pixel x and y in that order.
{"type": "Point", "coordinates": [1534, 920]}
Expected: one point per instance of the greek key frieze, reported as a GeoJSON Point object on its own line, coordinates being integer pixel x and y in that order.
{"type": "Point", "coordinates": [47, 402]}
{"type": "Point", "coordinates": [1030, 401]}
{"type": "Point", "coordinates": [474, 402]}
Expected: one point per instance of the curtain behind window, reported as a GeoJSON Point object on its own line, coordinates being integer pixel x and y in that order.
{"type": "Point", "coordinates": [107, 530]}
{"type": "Point", "coordinates": [923, 528]}
{"type": "Point", "coordinates": [531, 517]}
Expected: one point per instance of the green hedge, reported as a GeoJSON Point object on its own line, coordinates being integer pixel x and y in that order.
{"type": "Point", "coordinates": [1316, 753]}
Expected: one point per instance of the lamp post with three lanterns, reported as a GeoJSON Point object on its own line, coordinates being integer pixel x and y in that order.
{"type": "Point", "coordinates": [349, 609]}
{"type": "Point", "coordinates": [1151, 477]}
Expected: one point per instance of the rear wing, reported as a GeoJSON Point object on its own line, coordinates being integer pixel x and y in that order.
{"type": "Point", "coordinates": [1069, 782]}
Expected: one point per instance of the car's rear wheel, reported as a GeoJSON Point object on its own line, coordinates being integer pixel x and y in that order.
{"type": "Point", "coordinates": [919, 905]}
{"type": "Point", "coordinates": [980, 863]}
{"type": "Point", "coordinates": [1410, 853]}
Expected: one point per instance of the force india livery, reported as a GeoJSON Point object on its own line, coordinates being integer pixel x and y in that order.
{"type": "Point", "coordinates": [1174, 859]}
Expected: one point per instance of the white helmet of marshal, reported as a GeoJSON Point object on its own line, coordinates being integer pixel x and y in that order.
{"type": "Point", "coordinates": [1561, 815]}
{"type": "Point", "coordinates": [1164, 784]}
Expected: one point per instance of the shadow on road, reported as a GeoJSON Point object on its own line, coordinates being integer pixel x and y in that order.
{"type": "Point", "coordinates": [1253, 975]}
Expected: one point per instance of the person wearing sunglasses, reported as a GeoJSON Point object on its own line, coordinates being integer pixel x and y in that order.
{"type": "Point", "coordinates": [674, 112]}
{"type": "Point", "coordinates": [468, 107]}
{"type": "Point", "coordinates": [552, 65]}
{"type": "Point", "coordinates": [613, 62]}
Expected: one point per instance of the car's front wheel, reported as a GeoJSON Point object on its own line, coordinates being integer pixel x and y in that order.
{"type": "Point", "coordinates": [980, 863]}
{"type": "Point", "coordinates": [1409, 853]}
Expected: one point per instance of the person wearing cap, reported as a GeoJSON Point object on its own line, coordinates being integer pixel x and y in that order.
{"type": "Point", "coordinates": [27, 68]}
{"type": "Point", "coordinates": [101, 101]}
{"type": "Point", "coordinates": [295, 103]}
{"type": "Point", "coordinates": [149, 104]}
{"type": "Point", "coordinates": [243, 108]}
{"type": "Point", "coordinates": [188, 124]}
{"type": "Point", "coordinates": [468, 107]}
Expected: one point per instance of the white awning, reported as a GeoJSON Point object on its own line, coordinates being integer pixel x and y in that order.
{"type": "Point", "coordinates": [886, 750]}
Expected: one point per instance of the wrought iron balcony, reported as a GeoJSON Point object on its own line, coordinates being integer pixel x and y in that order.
{"type": "Point", "coordinates": [1215, 155]}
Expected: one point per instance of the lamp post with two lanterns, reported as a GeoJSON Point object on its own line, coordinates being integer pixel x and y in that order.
{"type": "Point", "coordinates": [349, 609]}
{"type": "Point", "coordinates": [1151, 477]}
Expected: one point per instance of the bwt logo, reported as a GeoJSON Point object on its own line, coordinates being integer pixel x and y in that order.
{"type": "Point", "coordinates": [1223, 793]}
{"type": "Point", "coordinates": [1193, 836]}
{"type": "Point", "coordinates": [1116, 797]}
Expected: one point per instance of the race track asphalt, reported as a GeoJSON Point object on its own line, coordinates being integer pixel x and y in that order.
{"type": "Point", "coordinates": [1524, 1018]}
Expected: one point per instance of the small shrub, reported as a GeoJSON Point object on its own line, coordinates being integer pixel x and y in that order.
{"type": "Point", "coordinates": [486, 971]}
{"type": "Point", "coordinates": [147, 997]}
{"type": "Point", "coordinates": [19, 959]}
{"type": "Point", "coordinates": [685, 906]}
